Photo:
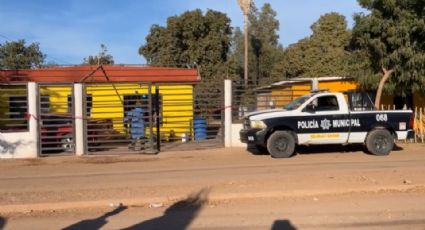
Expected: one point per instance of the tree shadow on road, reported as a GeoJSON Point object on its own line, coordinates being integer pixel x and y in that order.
{"type": "Point", "coordinates": [2, 222]}
{"type": "Point", "coordinates": [95, 223]}
{"type": "Point", "coordinates": [282, 225]}
{"type": "Point", "coordinates": [178, 216]}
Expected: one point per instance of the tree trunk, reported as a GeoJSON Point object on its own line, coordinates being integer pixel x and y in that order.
{"type": "Point", "coordinates": [387, 74]}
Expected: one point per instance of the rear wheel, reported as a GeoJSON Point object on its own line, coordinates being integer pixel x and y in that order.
{"type": "Point", "coordinates": [281, 144]}
{"type": "Point", "coordinates": [379, 142]}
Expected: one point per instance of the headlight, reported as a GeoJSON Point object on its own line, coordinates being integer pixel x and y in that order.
{"type": "Point", "coordinates": [258, 125]}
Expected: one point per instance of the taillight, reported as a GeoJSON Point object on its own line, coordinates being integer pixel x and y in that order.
{"type": "Point", "coordinates": [411, 121]}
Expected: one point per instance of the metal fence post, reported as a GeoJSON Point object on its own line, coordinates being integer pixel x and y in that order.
{"type": "Point", "coordinates": [227, 113]}
{"type": "Point", "coordinates": [157, 119]}
{"type": "Point", "coordinates": [79, 119]}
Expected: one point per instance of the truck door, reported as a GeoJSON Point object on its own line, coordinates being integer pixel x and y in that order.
{"type": "Point", "coordinates": [327, 122]}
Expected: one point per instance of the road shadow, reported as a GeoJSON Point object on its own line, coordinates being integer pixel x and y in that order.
{"type": "Point", "coordinates": [312, 149]}
{"type": "Point", "coordinates": [95, 223]}
{"type": "Point", "coordinates": [282, 225]}
{"type": "Point", "coordinates": [397, 148]}
{"type": "Point", "coordinates": [320, 149]}
{"type": "Point", "coordinates": [397, 224]}
{"type": "Point", "coordinates": [178, 216]}
{"type": "Point", "coordinates": [2, 222]}
{"type": "Point", "coordinates": [257, 150]}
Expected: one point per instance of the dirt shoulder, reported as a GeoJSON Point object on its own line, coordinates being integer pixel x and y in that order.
{"type": "Point", "coordinates": [61, 183]}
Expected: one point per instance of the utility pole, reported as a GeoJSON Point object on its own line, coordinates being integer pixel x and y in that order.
{"type": "Point", "coordinates": [246, 7]}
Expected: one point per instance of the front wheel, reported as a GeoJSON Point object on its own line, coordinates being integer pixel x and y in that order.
{"type": "Point", "coordinates": [281, 144]}
{"type": "Point", "coordinates": [380, 142]}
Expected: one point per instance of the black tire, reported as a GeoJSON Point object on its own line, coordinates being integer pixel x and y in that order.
{"type": "Point", "coordinates": [281, 144]}
{"type": "Point", "coordinates": [379, 142]}
{"type": "Point", "coordinates": [67, 143]}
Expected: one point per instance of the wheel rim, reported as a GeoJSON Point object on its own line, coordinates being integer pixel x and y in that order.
{"type": "Point", "coordinates": [381, 143]}
{"type": "Point", "coordinates": [67, 144]}
{"type": "Point", "coordinates": [282, 144]}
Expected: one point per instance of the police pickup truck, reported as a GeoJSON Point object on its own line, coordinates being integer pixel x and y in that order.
{"type": "Point", "coordinates": [327, 118]}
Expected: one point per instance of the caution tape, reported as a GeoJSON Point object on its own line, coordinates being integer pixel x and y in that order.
{"type": "Point", "coordinates": [28, 116]}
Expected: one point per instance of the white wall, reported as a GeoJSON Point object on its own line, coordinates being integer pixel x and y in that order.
{"type": "Point", "coordinates": [23, 144]}
{"type": "Point", "coordinates": [17, 145]}
{"type": "Point", "coordinates": [236, 141]}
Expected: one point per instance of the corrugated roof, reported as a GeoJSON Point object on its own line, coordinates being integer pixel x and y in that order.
{"type": "Point", "coordinates": [105, 73]}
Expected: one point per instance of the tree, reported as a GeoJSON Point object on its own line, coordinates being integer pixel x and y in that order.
{"type": "Point", "coordinates": [328, 42]}
{"type": "Point", "coordinates": [16, 55]}
{"type": "Point", "coordinates": [103, 58]}
{"type": "Point", "coordinates": [265, 44]}
{"type": "Point", "coordinates": [264, 47]}
{"type": "Point", "coordinates": [392, 36]}
{"type": "Point", "coordinates": [293, 64]}
{"type": "Point", "coordinates": [321, 54]}
{"type": "Point", "coordinates": [191, 38]}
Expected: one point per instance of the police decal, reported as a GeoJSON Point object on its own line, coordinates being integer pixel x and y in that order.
{"type": "Point", "coordinates": [312, 124]}
{"type": "Point", "coordinates": [346, 123]}
{"type": "Point", "coordinates": [325, 124]}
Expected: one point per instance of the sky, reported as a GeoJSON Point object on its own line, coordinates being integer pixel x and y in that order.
{"type": "Point", "coordinates": [70, 30]}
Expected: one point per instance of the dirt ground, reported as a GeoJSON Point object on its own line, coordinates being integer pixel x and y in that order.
{"type": "Point", "coordinates": [324, 187]}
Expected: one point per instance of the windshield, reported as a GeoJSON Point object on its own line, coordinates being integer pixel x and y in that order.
{"type": "Point", "coordinates": [297, 102]}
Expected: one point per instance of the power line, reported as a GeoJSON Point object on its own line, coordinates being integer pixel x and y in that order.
{"type": "Point", "coordinates": [8, 39]}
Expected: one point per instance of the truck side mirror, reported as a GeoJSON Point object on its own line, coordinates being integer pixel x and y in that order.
{"type": "Point", "coordinates": [310, 108]}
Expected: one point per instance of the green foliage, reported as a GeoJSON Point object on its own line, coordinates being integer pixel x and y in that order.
{"type": "Point", "coordinates": [191, 38]}
{"type": "Point", "coordinates": [236, 58]}
{"type": "Point", "coordinates": [16, 55]}
{"type": "Point", "coordinates": [265, 46]}
{"type": "Point", "coordinates": [392, 35]}
{"type": "Point", "coordinates": [103, 58]}
{"type": "Point", "coordinates": [321, 54]}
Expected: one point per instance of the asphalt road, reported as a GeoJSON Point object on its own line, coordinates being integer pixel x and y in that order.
{"type": "Point", "coordinates": [322, 188]}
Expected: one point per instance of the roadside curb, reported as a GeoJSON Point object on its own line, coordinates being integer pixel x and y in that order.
{"type": "Point", "coordinates": [213, 197]}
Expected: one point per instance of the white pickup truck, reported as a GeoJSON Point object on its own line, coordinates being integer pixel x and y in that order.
{"type": "Point", "coordinates": [327, 118]}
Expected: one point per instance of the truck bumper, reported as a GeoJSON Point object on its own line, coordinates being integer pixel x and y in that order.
{"type": "Point", "coordinates": [253, 136]}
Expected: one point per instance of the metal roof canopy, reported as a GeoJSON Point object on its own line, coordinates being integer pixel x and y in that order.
{"type": "Point", "coordinates": [76, 74]}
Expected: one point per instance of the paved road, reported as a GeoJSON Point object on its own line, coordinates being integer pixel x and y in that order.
{"type": "Point", "coordinates": [323, 188]}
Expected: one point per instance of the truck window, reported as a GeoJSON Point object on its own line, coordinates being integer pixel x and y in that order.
{"type": "Point", "coordinates": [360, 101]}
{"type": "Point", "coordinates": [297, 102]}
{"type": "Point", "coordinates": [327, 103]}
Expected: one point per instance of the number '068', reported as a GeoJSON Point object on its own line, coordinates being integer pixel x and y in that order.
{"type": "Point", "coordinates": [381, 117]}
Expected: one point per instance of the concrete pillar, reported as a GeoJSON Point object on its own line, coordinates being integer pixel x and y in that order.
{"type": "Point", "coordinates": [79, 119]}
{"type": "Point", "coordinates": [33, 120]}
{"type": "Point", "coordinates": [227, 113]}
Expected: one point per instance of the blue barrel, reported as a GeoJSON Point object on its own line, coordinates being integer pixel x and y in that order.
{"type": "Point", "coordinates": [200, 128]}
